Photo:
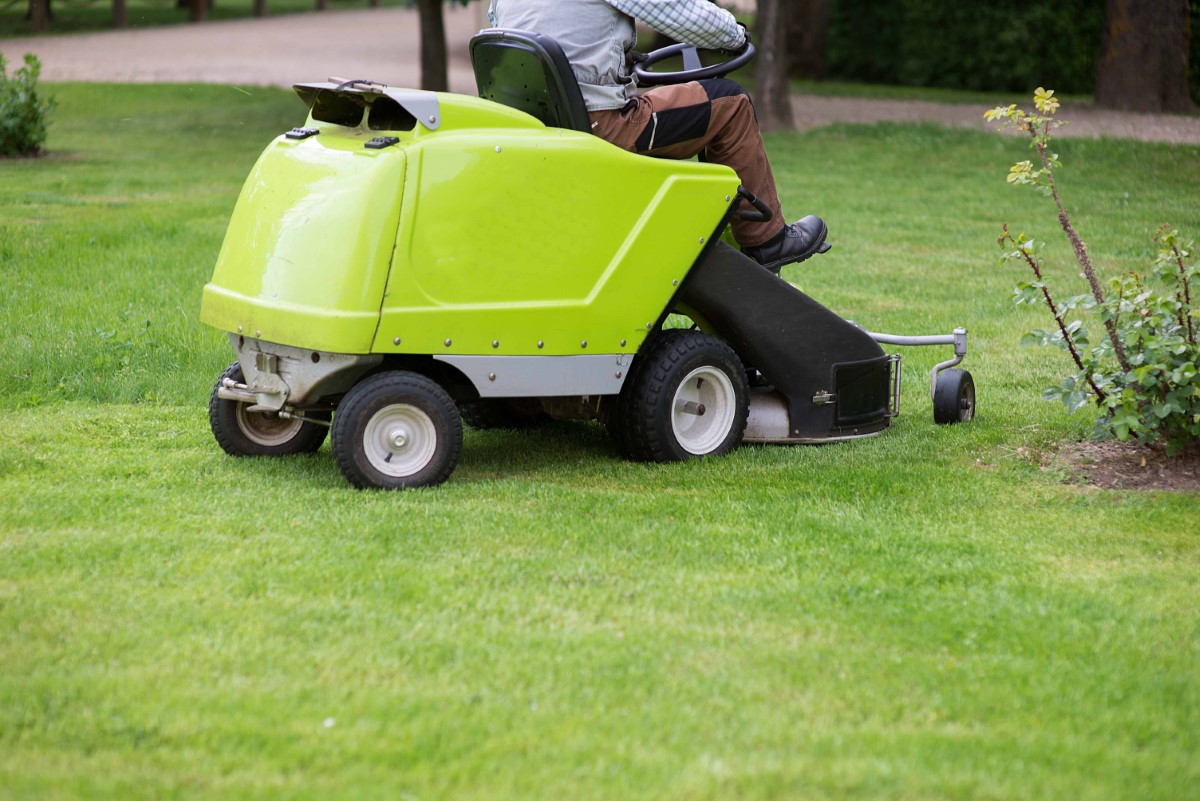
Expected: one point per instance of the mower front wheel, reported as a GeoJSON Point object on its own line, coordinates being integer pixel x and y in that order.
{"type": "Point", "coordinates": [687, 399]}
{"type": "Point", "coordinates": [397, 430]}
{"type": "Point", "coordinates": [241, 432]}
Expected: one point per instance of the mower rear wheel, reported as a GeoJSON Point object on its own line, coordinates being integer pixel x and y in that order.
{"type": "Point", "coordinates": [686, 399]}
{"type": "Point", "coordinates": [953, 397]}
{"type": "Point", "coordinates": [397, 430]}
{"type": "Point", "coordinates": [241, 432]}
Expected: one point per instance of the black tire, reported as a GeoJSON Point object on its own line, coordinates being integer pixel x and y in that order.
{"type": "Point", "coordinates": [484, 413]}
{"type": "Point", "coordinates": [686, 398]}
{"type": "Point", "coordinates": [397, 430]}
{"type": "Point", "coordinates": [953, 397]}
{"type": "Point", "coordinates": [240, 432]}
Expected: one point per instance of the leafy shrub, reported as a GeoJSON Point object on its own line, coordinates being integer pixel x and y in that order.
{"type": "Point", "coordinates": [1144, 373]}
{"type": "Point", "coordinates": [23, 110]}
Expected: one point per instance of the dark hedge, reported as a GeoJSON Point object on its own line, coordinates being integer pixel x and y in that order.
{"type": "Point", "coordinates": [1007, 45]}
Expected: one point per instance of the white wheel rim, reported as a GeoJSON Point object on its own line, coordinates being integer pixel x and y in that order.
{"type": "Point", "coordinates": [400, 440]}
{"type": "Point", "coordinates": [703, 410]}
{"type": "Point", "coordinates": [266, 428]}
{"type": "Point", "coordinates": [966, 404]}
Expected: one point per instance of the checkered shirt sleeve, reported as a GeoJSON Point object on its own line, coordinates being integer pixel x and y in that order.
{"type": "Point", "coordinates": [695, 22]}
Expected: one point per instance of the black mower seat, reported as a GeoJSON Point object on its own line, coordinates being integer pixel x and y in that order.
{"type": "Point", "coordinates": [529, 72]}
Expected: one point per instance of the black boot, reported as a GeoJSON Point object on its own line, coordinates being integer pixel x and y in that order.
{"type": "Point", "coordinates": [794, 243]}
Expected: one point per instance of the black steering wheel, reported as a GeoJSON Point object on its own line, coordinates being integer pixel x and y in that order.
{"type": "Point", "coordinates": [692, 70]}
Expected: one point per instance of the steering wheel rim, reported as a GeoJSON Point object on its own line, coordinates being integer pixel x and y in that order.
{"type": "Point", "coordinates": [645, 77]}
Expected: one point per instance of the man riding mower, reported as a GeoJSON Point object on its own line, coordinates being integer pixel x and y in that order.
{"type": "Point", "coordinates": [703, 115]}
{"type": "Point", "coordinates": [406, 260]}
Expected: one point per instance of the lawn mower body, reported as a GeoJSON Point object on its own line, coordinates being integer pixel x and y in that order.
{"type": "Point", "coordinates": [406, 259]}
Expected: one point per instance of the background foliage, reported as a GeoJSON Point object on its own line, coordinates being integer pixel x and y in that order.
{"type": "Point", "coordinates": [24, 110]}
{"type": "Point", "coordinates": [972, 45]}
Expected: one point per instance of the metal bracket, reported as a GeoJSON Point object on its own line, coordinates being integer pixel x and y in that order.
{"type": "Point", "coordinates": [268, 387]}
{"type": "Point", "coordinates": [894, 358]}
{"type": "Point", "coordinates": [823, 398]}
{"type": "Point", "coordinates": [423, 105]}
{"type": "Point", "coordinates": [958, 339]}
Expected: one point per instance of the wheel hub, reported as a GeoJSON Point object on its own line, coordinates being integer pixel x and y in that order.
{"type": "Point", "coordinates": [400, 440]}
{"type": "Point", "coordinates": [704, 410]}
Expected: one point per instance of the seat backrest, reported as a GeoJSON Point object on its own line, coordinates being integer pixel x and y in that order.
{"type": "Point", "coordinates": [529, 72]}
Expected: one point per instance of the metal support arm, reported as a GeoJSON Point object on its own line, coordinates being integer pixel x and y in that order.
{"type": "Point", "coordinates": [958, 339]}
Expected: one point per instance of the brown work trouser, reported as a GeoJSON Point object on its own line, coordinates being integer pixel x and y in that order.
{"type": "Point", "coordinates": [715, 117]}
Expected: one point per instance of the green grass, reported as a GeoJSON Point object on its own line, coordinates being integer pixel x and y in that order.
{"type": "Point", "coordinates": [85, 16]}
{"type": "Point", "coordinates": [925, 614]}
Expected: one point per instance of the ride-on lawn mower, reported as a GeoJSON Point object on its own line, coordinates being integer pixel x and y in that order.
{"type": "Point", "coordinates": [410, 260]}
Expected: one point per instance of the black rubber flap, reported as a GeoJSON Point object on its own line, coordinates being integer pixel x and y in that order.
{"type": "Point", "coordinates": [795, 342]}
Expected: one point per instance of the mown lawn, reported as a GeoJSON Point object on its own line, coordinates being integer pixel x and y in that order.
{"type": "Point", "coordinates": [926, 614]}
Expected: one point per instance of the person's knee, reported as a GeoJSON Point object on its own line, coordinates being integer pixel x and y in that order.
{"type": "Point", "coordinates": [717, 88]}
{"type": "Point", "coordinates": [730, 93]}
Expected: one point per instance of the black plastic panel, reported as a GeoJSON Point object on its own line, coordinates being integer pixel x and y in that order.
{"type": "Point", "coordinates": [863, 391]}
{"type": "Point", "coordinates": [796, 343]}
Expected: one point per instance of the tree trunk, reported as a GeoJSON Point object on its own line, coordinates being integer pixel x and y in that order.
{"type": "Point", "coordinates": [39, 15]}
{"type": "Point", "coordinates": [260, 8]}
{"type": "Point", "coordinates": [197, 10]}
{"type": "Point", "coordinates": [433, 46]}
{"type": "Point", "coordinates": [120, 14]}
{"type": "Point", "coordinates": [1144, 57]}
{"type": "Point", "coordinates": [807, 35]}
{"type": "Point", "coordinates": [773, 95]}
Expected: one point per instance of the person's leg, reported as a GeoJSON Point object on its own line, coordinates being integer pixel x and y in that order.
{"type": "Point", "coordinates": [715, 117]}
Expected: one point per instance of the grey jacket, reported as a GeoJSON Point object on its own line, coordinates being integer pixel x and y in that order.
{"type": "Point", "coordinates": [594, 37]}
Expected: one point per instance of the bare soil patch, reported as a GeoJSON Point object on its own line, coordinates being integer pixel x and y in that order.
{"type": "Point", "coordinates": [1124, 465]}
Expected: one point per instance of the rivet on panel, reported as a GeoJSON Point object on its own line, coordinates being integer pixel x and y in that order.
{"type": "Point", "coordinates": [701, 240]}
{"type": "Point", "coordinates": [432, 120]}
{"type": "Point", "coordinates": [497, 148]}
{"type": "Point", "coordinates": [618, 374]}
{"type": "Point", "coordinates": [495, 343]}
{"type": "Point", "coordinates": [447, 343]}
{"type": "Point", "coordinates": [258, 333]}
{"type": "Point", "coordinates": [541, 344]}
{"type": "Point", "coordinates": [675, 282]}
{"type": "Point", "coordinates": [491, 376]}
{"type": "Point", "coordinates": [622, 343]}
{"type": "Point", "coordinates": [583, 344]}
{"type": "Point", "coordinates": [396, 341]}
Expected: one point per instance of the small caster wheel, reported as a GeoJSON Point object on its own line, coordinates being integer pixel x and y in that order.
{"type": "Point", "coordinates": [241, 432]}
{"type": "Point", "coordinates": [954, 397]}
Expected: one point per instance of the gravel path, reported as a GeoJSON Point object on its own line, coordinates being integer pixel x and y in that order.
{"type": "Point", "coordinates": [382, 45]}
